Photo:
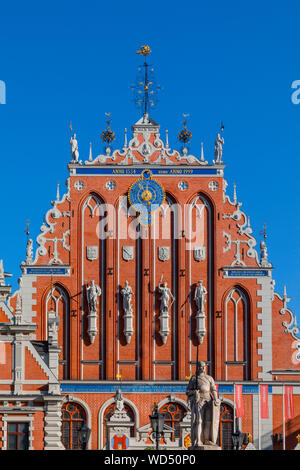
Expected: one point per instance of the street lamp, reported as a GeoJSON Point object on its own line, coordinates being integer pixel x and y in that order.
{"type": "Point", "coordinates": [84, 434]}
{"type": "Point", "coordinates": [157, 423]}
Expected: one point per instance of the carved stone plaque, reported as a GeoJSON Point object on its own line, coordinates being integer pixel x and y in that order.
{"type": "Point", "coordinates": [128, 253]}
{"type": "Point", "coordinates": [163, 253]}
{"type": "Point", "coordinates": [199, 253]}
{"type": "Point", "coordinates": [92, 252]}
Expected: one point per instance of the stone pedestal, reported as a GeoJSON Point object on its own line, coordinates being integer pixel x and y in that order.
{"type": "Point", "coordinates": [205, 447]}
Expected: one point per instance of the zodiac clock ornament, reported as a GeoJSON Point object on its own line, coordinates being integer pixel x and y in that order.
{"type": "Point", "coordinates": [146, 196]}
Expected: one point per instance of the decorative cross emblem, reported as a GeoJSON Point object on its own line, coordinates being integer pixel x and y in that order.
{"type": "Point", "coordinates": [110, 185]}
{"type": "Point", "coordinates": [79, 185]}
{"type": "Point", "coordinates": [213, 185]}
{"type": "Point", "coordinates": [182, 185]}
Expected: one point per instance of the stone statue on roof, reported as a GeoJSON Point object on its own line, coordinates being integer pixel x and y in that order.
{"type": "Point", "coordinates": [74, 148]}
{"type": "Point", "coordinates": [219, 142]}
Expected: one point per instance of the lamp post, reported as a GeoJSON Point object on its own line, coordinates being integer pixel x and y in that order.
{"type": "Point", "coordinates": [157, 423]}
{"type": "Point", "coordinates": [84, 434]}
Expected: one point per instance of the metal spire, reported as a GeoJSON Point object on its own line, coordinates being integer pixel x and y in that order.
{"type": "Point", "coordinates": [145, 88]}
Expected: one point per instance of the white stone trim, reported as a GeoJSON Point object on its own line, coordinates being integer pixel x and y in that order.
{"type": "Point", "coordinates": [266, 294]}
{"type": "Point", "coordinates": [101, 413]}
{"type": "Point", "coordinates": [17, 419]}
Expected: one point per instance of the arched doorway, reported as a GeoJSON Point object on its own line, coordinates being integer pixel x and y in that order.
{"type": "Point", "coordinates": [73, 417]}
{"type": "Point", "coordinates": [226, 427]}
{"type": "Point", "coordinates": [107, 415]}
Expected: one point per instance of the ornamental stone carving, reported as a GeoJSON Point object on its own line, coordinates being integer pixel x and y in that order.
{"type": "Point", "coordinates": [127, 294]}
{"type": "Point", "coordinates": [165, 296]}
{"type": "Point", "coordinates": [200, 299]}
{"type": "Point", "coordinates": [205, 409]}
{"type": "Point", "coordinates": [92, 292]}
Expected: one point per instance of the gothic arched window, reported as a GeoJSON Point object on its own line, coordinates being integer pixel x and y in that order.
{"type": "Point", "coordinates": [226, 427]}
{"type": "Point", "coordinates": [237, 339]}
{"type": "Point", "coordinates": [174, 414]}
{"type": "Point", "coordinates": [107, 415]}
{"type": "Point", "coordinates": [58, 301]}
{"type": "Point", "coordinates": [73, 417]}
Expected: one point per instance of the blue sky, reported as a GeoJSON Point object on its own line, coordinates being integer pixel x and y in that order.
{"type": "Point", "coordinates": [218, 61]}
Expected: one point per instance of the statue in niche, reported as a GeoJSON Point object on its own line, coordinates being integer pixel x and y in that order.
{"type": "Point", "coordinates": [127, 296]}
{"type": "Point", "coordinates": [200, 296]}
{"type": "Point", "coordinates": [205, 408]}
{"type": "Point", "coordinates": [93, 292]}
{"type": "Point", "coordinates": [165, 296]}
{"type": "Point", "coordinates": [74, 148]}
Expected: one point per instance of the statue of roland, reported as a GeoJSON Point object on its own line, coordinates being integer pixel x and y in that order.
{"type": "Point", "coordinates": [205, 408]}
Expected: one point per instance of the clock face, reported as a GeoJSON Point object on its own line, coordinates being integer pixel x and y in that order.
{"type": "Point", "coordinates": [146, 196]}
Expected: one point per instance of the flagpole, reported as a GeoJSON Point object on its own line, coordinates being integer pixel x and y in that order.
{"type": "Point", "coordinates": [283, 417]}
{"type": "Point", "coordinates": [234, 423]}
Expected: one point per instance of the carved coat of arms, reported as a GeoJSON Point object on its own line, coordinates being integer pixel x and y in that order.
{"type": "Point", "coordinates": [128, 253]}
{"type": "Point", "coordinates": [199, 253]}
{"type": "Point", "coordinates": [163, 253]}
{"type": "Point", "coordinates": [92, 252]}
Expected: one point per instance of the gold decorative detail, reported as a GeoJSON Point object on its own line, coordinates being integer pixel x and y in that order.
{"type": "Point", "coordinates": [144, 50]}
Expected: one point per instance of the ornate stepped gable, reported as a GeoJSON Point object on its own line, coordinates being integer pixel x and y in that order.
{"type": "Point", "coordinates": [148, 150]}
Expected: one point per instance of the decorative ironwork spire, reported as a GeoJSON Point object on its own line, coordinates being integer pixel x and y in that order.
{"type": "Point", "coordinates": [108, 136]}
{"type": "Point", "coordinates": [185, 135]}
{"type": "Point", "coordinates": [145, 88]}
{"type": "Point", "coordinates": [264, 230]}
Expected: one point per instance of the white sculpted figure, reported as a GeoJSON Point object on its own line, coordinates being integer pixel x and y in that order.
{"type": "Point", "coordinates": [200, 296]}
{"type": "Point", "coordinates": [74, 148]}
{"type": "Point", "coordinates": [219, 148]}
{"type": "Point", "coordinates": [127, 295]}
{"type": "Point", "coordinates": [29, 251]}
{"type": "Point", "coordinates": [205, 408]}
{"type": "Point", "coordinates": [93, 292]}
{"type": "Point", "coordinates": [165, 296]}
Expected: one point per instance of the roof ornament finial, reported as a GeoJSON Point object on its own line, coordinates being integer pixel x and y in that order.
{"type": "Point", "coordinates": [185, 135]}
{"type": "Point", "coordinates": [125, 139]}
{"type": "Point", "coordinates": [108, 136]}
{"type": "Point", "coordinates": [234, 193]}
{"type": "Point", "coordinates": [202, 153]}
{"type": "Point", "coordinates": [90, 153]}
{"type": "Point", "coordinates": [145, 87]}
{"type": "Point", "coordinates": [263, 247]}
{"type": "Point", "coordinates": [18, 312]}
{"type": "Point", "coordinates": [27, 228]}
{"type": "Point", "coordinates": [167, 139]}
{"type": "Point", "coordinates": [2, 276]}
{"type": "Point", "coordinates": [264, 230]}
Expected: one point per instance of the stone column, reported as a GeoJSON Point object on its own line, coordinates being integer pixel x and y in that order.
{"type": "Point", "coordinates": [52, 429]}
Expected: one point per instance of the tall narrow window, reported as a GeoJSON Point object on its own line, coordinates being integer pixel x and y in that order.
{"type": "Point", "coordinates": [58, 301]}
{"type": "Point", "coordinates": [17, 436]}
{"type": "Point", "coordinates": [237, 339]}
{"type": "Point", "coordinates": [73, 417]}
{"type": "Point", "coordinates": [226, 427]}
{"type": "Point", "coordinates": [174, 414]}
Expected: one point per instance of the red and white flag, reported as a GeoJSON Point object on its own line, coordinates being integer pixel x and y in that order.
{"type": "Point", "coordinates": [238, 400]}
{"type": "Point", "coordinates": [264, 401]}
{"type": "Point", "coordinates": [288, 402]}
